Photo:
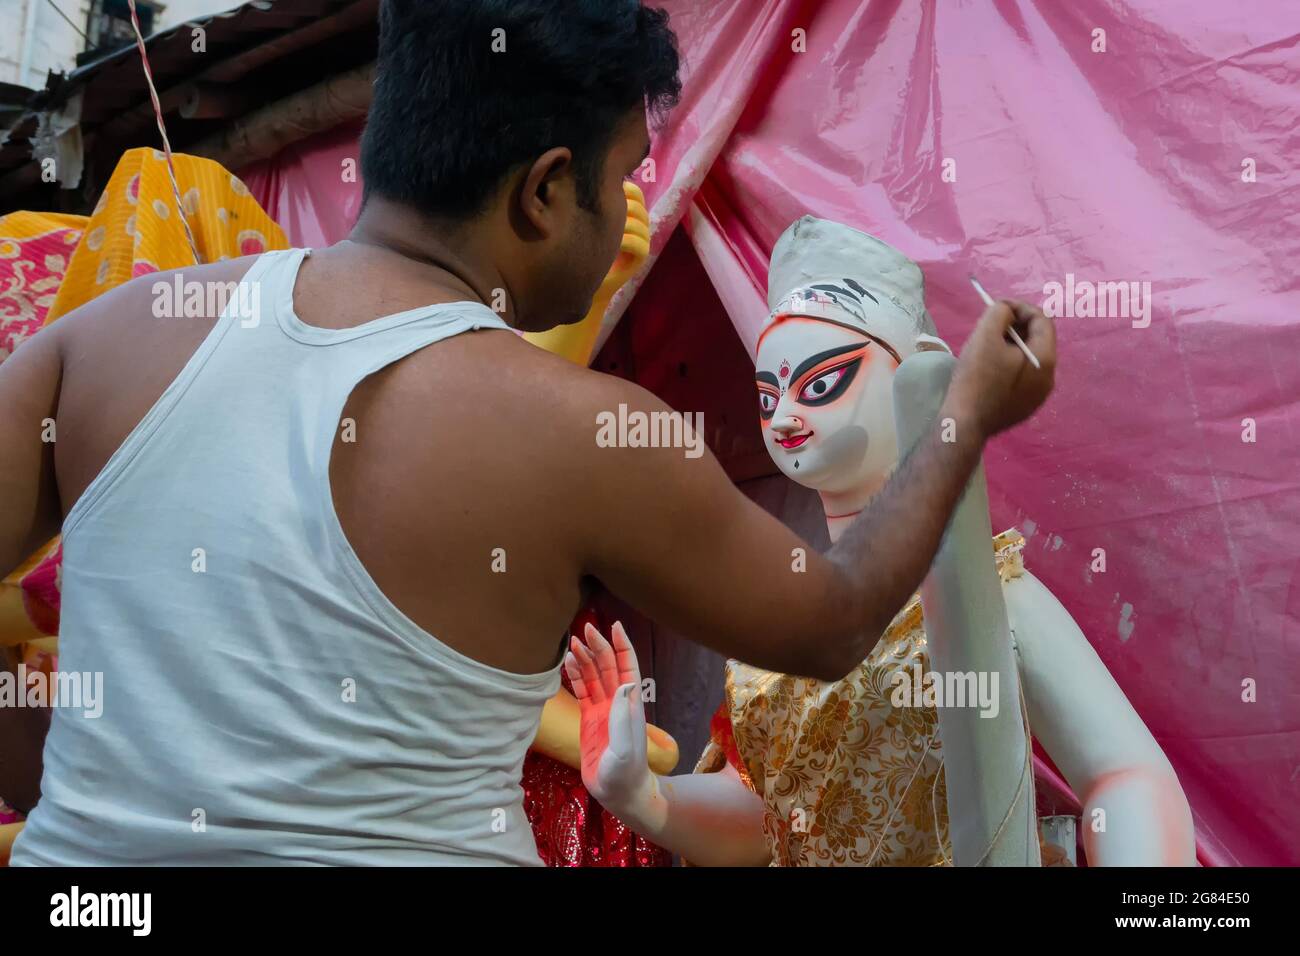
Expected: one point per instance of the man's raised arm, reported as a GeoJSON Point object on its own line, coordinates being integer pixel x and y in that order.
{"type": "Point", "coordinates": [675, 538]}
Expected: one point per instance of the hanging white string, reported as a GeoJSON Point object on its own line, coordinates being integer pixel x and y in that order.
{"type": "Point", "coordinates": [162, 130]}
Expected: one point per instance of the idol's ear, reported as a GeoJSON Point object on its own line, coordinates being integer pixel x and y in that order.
{"type": "Point", "coordinates": [931, 343]}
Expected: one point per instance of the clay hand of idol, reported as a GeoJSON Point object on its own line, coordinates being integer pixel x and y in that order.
{"type": "Point", "coordinates": [607, 684]}
{"type": "Point", "coordinates": [994, 385]}
{"type": "Point", "coordinates": [635, 248]}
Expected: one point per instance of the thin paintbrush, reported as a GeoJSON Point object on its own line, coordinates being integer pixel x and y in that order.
{"type": "Point", "coordinates": [1015, 337]}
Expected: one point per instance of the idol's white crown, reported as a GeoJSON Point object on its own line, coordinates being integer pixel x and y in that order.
{"type": "Point", "coordinates": [833, 272]}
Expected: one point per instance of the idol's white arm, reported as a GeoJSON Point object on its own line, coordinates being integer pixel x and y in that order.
{"type": "Point", "coordinates": [1134, 809]}
{"type": "Point", "coordinates": [711, 819]}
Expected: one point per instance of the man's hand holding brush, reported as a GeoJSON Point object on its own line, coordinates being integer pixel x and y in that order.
{"type": "Point", "coordinates": [996, 384]}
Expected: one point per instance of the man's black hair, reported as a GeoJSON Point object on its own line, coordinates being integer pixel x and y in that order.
{"type": "Point", "coordinates": [453, 113]}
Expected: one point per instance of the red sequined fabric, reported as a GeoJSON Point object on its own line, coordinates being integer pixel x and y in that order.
{"type": "Point", "coordinates": [42, 597]}
{"type": "Point", "coordinates": [9, 815]}
{"type": "Point", "coordinates": [571, 828]}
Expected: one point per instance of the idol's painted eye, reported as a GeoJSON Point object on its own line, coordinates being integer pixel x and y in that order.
{"type": "Point", "coordinates": [829, 385]}
{"type": "Point", "coordinates": [766, 404]}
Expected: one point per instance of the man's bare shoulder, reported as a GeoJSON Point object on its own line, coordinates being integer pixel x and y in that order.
{"type": "Point", "coordinates": [518, 413]}
{"type": "Point", "coordinates": [572, 399]}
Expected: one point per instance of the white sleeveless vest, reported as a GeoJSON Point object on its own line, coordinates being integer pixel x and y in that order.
{"type": "Point", "coordinates": [263, 701]}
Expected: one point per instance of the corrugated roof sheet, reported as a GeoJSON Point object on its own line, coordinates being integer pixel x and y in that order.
{"type": "Point", "coordinates": [265, 50]}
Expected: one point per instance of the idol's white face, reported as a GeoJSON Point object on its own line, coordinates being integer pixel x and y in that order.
{"type": "Point", "coordinates": [826, 404]}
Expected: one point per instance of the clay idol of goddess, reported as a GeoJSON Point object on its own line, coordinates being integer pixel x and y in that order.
{"type": "Point", "coordinates": [802, 772]}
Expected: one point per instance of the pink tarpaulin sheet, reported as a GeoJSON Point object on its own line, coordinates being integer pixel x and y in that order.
{"type": "Point", "coordinates": [1030, 143]}
{"type": "Point", "coordinates": [312, 188]}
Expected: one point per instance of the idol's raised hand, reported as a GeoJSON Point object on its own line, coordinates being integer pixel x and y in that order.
{"type": "Point", "coordinates": [711, 818]}
{"type": "Point", "coordinates": [607, 683]}
{"type": "Point", "coordinates": [636, 243]}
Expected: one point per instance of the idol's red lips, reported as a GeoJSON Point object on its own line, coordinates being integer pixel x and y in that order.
{"type": "Point", "coordinates": [794, 441]}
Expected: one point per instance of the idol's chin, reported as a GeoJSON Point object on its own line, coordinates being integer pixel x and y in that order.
{"type": "Point", "coordinates": [818, 474]}
{"type": "Point", "coordinates": [799, 469]}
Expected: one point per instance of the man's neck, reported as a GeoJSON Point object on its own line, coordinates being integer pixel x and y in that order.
{"type": "Point", "coordinates": [451, 256]}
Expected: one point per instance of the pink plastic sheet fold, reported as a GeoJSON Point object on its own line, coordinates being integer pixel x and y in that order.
{"type": "Point", "coordinates": [313, 187]}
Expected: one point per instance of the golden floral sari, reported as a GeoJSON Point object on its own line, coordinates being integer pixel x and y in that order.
{"type": "Point", "coordinates": [847, 777]}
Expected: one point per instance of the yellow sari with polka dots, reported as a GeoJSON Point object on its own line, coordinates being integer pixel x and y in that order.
{"type": "Point", "coordinates": [51, 263]}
